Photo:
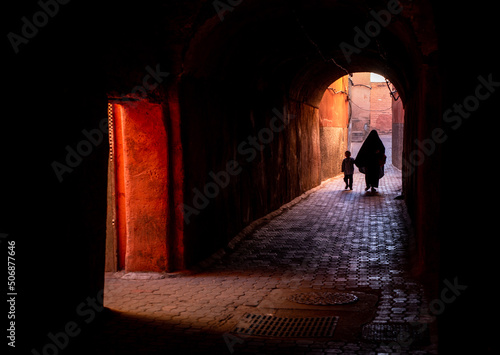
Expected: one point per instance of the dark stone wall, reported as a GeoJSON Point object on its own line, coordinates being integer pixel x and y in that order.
{"type": "Point", "coordinates": [243, 158]}
{"type": "Point", "coordinates": [397, 144]}
{"type": "Point", "coordinates": [467, 219]}
{"type": "Point", "coordinates": [55, 91]}
{"type": "Point", "coordinates": [397, 133]}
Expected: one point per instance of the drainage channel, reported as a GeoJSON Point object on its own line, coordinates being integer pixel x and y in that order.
{"type": "Point", "coordinates": [272, 326]}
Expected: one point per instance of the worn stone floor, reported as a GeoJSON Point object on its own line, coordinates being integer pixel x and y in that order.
{"type": "Point", "coordinates": [333, 240]}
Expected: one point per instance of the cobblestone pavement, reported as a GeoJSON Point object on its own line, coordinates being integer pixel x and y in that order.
{"type": "Point", "coordinates": [335, 240]}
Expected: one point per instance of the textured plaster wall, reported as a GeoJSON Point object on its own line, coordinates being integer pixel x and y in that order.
{"type": "Point", "coordinates": [334, 120]}
{"type": "Point", "coordinates": [397, 133]}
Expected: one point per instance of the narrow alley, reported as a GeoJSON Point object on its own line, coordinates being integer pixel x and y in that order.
{"type": "Point", "coordinates": [333, 240]}
{"type": "Point", "coordinates": [172, 177]}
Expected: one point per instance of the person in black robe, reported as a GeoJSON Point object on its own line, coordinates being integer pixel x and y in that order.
{"type": "Point", "coordinates": [371, 159]}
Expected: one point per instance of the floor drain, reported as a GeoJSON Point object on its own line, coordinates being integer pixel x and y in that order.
{"type": "Point", "coordinates": [272, 326]}
{"type": "Point", "coordinates": [323, 298]}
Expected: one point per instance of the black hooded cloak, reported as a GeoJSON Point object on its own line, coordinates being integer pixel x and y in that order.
{"type": "Point", "coordinates": [370, 158]}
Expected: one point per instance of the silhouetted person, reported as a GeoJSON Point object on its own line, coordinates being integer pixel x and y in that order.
{"type": "Point", "coordinates": [348, 169]}
{"type": "Point", "coordinates": [371, 159]}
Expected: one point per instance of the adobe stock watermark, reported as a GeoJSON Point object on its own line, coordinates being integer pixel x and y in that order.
{"type": "Point", "coordinates": [86, 312]}
{"type": "Point", "coordinates": [30, 27]}
{"type": "Point", "coordinates": [224, 6]}
{"type": "Point", "coordinates": [150, 82]}
{"type": "Point", "coordinates": [436, 307]}
{"type": "Point", "coordinates": [363, 37]}
{"type": "Point", "coordinates": [85, 147]}
{"type": "Point", "coordinates": [95, 137]}
{"type": "Point", "coordinates": [248, 149]}
{"type": "Point", "coordinates": [455, 117]}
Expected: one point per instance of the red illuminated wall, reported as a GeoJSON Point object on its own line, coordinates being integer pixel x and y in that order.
{"type": "Point", "coordinates": [333, 122]}
{"type": "Point", "coordinates": [142, 186]}
{"type": "Point", "coordinates": [334, 107]}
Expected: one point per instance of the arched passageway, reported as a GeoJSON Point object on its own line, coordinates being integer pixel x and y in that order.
{"type": "Point", "coordinates": [350, 108]}
{"type": "Point", "coordinates": [247, 70]}
{"type": "Point", "coordinates": [235, 88]}
{"type": "Point", "coordinates": [257, 112]}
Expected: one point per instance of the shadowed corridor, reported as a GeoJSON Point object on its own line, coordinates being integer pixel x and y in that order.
{"type": "Point", "coordinates": [152, 139]}
{"type": "Point", "coordinates": [334, 239]}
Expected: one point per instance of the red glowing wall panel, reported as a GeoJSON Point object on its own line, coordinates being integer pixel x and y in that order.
{"type": "Point", "coordinates": [142, 186]}
{"type": "Point", "coordinates": [334, 107]}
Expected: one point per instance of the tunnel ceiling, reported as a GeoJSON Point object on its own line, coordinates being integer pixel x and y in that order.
{"type": "Point", "coordinates": [290, 44]}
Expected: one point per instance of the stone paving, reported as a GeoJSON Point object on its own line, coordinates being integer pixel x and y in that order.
{"type": "Point", "coordinates": [335, 240]}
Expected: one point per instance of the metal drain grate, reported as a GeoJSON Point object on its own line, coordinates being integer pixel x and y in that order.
{"type": "Point", "coordinates": [271, 326]}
